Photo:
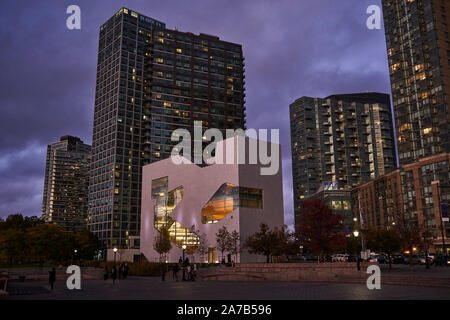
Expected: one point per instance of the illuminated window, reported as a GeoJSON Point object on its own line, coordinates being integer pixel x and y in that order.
{"type": "Point", "coordinates": [394, 67]}
{"type": "Point", "coordinates": [427, 130]}
{"type": "Point", "coordinates": [166, 201]}
{"type": "Point", "coordinates": [227, 199]}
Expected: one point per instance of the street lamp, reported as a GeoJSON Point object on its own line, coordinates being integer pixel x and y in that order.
{"type": "Point", "coordinates": [115, 251]}
{"type": "Point", "coordinates": [184, 267]}
{"type": "Point", "coordinates": [356, 233]}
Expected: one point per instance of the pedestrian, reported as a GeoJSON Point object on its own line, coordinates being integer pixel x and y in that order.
{"type": "Point", "coordinates": [171, 268]}
{"type": "Point", "coordinates": [120, 271]}
{"type": "Point", "coordinates": [180, 260]}
{"type": "Point", "coordinates": [125, 271]}
{"type": "Point", "coordinates": [194, 272]}
{"type": "Point", "coordinates": [188, 273]}
{"type": "Point", "coordinates": [114, 274]}
{"type": "Point", "coordinates": [52, 277]}
{"type": "Point", "coordinates": [105, 273]}
{"type": "Point", "coordinates": [358, 263]}
{"type": "Point", "coordinates": [176, 268]}
{"type": "Point", "coordinates": [163, 272]}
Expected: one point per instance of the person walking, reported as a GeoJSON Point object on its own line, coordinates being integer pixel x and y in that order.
{"type": "Point", "coordinates": [120, 271]}
{"type": "Point", "coordinates": [163, 272]}
{"type": "Point", "coordinates": [114, 274]}
{"type": "Point", "coordinates": [176, 268]}
{"type": "Point", "coordinates": [194, 272]}
{"type": "Point", "coordinates": [125, 271]}
{"type": "Point", "coordinates": [188, 273]}
{"type": "Point", "coordinates": [105, 273]}
{"type": "Point", "coordinates": [52, 277]}
{"type": "Point", "coordinates": [180, 260]}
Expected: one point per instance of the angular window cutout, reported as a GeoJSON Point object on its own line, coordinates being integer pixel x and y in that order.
{"type": "Point", "coordinates": [166, 202]}
{"type": "Point", "coordinates": [227, 199]}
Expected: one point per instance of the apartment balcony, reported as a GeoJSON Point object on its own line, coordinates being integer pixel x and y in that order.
{"type": "Point", "coordinates": [327, 124]}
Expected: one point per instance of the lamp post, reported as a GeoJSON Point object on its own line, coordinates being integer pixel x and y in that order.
{"type": "Point", "coordinates": [75, 254]}
{"type": "Point", "coordinates": [439, 186]}
{"type": "Point", "coordinates": [358, 258]}
{"type": "Point", "coordinates": [184, 267]}
{"type": "Point", "coordinates": [115, 251]}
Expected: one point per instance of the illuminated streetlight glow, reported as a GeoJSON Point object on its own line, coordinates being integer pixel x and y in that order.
{"type": "Point", "coordinates": [356, 233]}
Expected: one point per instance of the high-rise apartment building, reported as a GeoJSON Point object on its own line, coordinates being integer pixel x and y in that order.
{"type": "Point", "coordinates": [407, 195]}
{"type": "Point", "coordinates": [418, 45]}
{"type": "Point", "coordinates": [418, 49]}
{"type": "Point", "coordinates": [151, 81]}
{"type": "Point", "coordinates": [345, 139]}
{"type": "Point", "coordinates": [65, 200]}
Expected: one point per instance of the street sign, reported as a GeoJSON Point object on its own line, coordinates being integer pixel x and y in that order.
{"type": "Point", "coordinates": [444, 211]}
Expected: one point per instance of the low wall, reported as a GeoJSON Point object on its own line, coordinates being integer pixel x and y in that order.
{"type": "Point", "coordinates": [316, 272]}
{"type": "Point", "coordinates": [41, 274]}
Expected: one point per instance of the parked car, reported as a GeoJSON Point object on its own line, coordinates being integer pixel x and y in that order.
{"type": "Point", "coordinates": [414, 259]}
{"type": "Point", "coordinates": [382, 259]}
{"type": "Point", "coordinates": [442, 261]}
{"type": "Point", "coordinates": [339, 258]}
{"type": "Point", "coordinates": [398, 259]}
{"type": "Point", "coordinates": [422, 259]}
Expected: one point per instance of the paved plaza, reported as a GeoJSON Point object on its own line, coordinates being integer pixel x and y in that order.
{"type": "Point", "coordinates": [152, 288]}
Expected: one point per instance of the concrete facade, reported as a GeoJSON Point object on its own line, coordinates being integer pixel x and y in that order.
{"type": "Point", "coordinates": [200, 185]}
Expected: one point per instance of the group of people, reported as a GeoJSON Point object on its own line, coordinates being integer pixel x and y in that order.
{"type": "Point", "coordinates": [122, 271]}
{"type": "Point", "coordinates": [189, 272]}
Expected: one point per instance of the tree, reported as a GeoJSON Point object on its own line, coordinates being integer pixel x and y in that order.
{"type": "Point", "coordinates": [86, 244]}
{"type": "Point", "coordinates": [162, 243]}
{"type": "Point", "coordinates": [353, 245]}
{"type": "Point", "coordinates": [222, 239]}
{"type": "Point", "coordinates": [49, 242]}
{"type": "Point", "coordinates": [234, 244]}
{"type": "Point", "coordinates": [410, 234]}
{"type": "Point", "coordinates": [12, 245]}
{"type": "Point", "coordinates": [385, 241]}
{"type": "Point", "coordinates": [320, 230]}
{"type": "Point", "coordinates": [203, 247]}
{"type": "Point", "coordinates": [262, 242]}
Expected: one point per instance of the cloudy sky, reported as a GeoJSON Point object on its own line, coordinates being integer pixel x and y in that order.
{"type": "Point", "coordinates": [293, 48]}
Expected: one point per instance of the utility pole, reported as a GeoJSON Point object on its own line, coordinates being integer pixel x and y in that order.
{"type": "Point", "coordinates": [439, 186]}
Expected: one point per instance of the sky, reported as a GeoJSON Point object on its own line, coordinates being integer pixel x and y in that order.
{"type": "Point", "coordinates": [292, 48]}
